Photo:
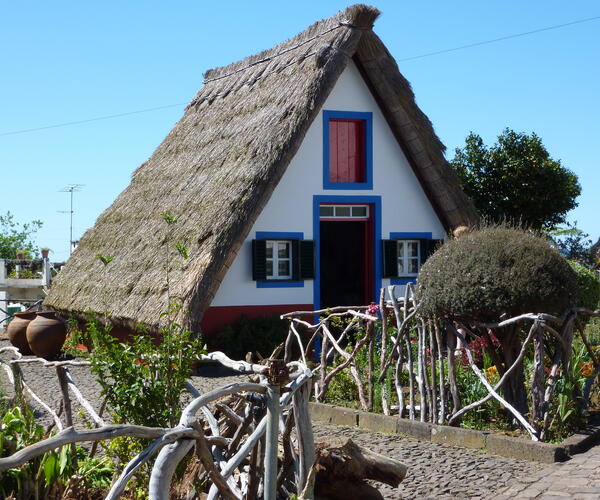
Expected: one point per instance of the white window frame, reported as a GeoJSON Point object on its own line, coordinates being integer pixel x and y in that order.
{"type": "Point", "coordinates": [275, 259]}
{"type": "Point", "coordinates": [404, 259]}
{"type": "Point", "coordinates": [350, 216]}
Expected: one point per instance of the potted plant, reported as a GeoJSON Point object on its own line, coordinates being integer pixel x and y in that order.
{"type": "Point", "coordinates": [45, 252]}
{"type": "Point", "coordinates": [22, 254]}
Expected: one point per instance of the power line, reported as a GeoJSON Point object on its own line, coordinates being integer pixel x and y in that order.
{"type": "Point", "coordinates": [428, 54]}
{"type": "Point", "coordinates": [493, 40]}
{"type": "Point", "coordinates": [107, 117]}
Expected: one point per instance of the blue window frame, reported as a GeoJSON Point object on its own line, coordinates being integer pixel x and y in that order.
{"type": "Point", "coordinates": [367, 118]}
{"type": "Point", "coordinates": [410, 236]}
{"type": "Point", "coordinates": [279, 236]}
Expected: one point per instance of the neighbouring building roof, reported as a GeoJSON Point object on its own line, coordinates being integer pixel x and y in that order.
{"type": "Point", "coordinates": [220, 163]}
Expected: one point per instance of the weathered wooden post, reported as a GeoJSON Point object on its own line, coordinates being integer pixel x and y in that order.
{"type": "Point", "coordinates": [276, 377]}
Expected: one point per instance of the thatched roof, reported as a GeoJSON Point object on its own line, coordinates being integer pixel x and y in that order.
{"type": "Point", "coordinates": [219, 165]}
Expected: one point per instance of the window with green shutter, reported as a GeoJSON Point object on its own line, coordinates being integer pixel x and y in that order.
{"type": "Point", "coordinates": [404, 254]}
{"type": "Point", "coordinates": [282, 259]}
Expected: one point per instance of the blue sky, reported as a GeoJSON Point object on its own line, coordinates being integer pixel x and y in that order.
{"type": "Point", "coordinates": [70, 61]}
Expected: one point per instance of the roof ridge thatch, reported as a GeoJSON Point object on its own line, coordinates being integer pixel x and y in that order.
{"type": "Point", "coordinates": [220, 163]}
{"type": "Point", "coordinates": [359, 16]}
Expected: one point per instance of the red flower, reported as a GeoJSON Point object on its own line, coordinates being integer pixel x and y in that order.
{"type": "Point", "coordinates": [373, 309]}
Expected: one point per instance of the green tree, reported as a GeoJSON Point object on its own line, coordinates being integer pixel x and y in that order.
{"type": "Point", "coordinates": [574, 244]}
{"type": "Point", "coordinates": [15, 237]}
{"type": "Point", "coordinates": [516, 180]}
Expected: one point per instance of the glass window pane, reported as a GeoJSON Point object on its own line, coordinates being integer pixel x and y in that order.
{"type": "Point", "coordinates": [269, 268]}
{"type": "Point", "coordinates": [413, 266]}
{"type": "Point", "coordinates": [359, 211]}
{"type": "Point", "coordinates": [269, 249]}
{"type": "Point", "coordinates": [284, 249]}
{"type": "Point", "coordinates": [284, 268]}
{"type": "Point", "coordinates": [326, 211]}
{"type": "Point", "coordinates": [342, 211]}
{"type": "Point", "coordinates": [413, 248]}
{"type": "Point", "coordinates": [400, 249]}
{"type": "Point", "coordinates": [400, 266]}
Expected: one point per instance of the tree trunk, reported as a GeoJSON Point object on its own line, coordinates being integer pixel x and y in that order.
{"type": "Point", "coordinates": [514, 388]}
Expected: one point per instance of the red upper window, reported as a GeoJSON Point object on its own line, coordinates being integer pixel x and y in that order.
{"type": "Point", "coordinates": [346, 150]}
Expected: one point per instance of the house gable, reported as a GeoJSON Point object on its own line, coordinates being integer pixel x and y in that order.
{"type": "Point", "coordinates": [217, 169]}
{"type": "Point", "coordinates": [402, 202]}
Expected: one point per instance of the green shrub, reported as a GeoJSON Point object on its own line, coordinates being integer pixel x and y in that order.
{"type": "Point", "coordinates": [493, 271]}
{"type": "Point", "coordinates": [260, 334]}
{"type": "Point", "coordinates": [588, 286]}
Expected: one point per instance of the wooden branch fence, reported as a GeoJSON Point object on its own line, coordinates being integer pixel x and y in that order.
{"type": "Point", "coordinates": [227, 436]}
{"type": "Point", "coordinates": [418, 358]}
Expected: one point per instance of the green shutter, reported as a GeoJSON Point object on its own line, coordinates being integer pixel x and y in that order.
{"type": "Point", "coordinates": [390, 258]}
{"type": "Point", "coordinates": [259, 260]}
{"type": "Point", "coordinates": [295, 260]}
{"type": "Point", "coordinates": [306, 260]}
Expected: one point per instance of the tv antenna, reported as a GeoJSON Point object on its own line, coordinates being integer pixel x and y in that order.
{"type": "Point", "coordinates": [71, 188]}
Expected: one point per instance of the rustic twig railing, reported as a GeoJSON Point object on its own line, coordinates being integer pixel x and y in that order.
{"type": "Point", "coordinates": [226, 437]}
{"type": "Point", "coordinates": [417, 358]}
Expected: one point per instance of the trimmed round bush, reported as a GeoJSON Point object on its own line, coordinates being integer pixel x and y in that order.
{"type": "Point", "coordinates": [494, 271]}
{"type": "Point", "coordinates": [588, 286]}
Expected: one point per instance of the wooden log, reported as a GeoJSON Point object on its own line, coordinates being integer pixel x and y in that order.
{"type": "Point", "coordinates": [411, 379]}
{"type": "Point", "coordinates": [370, 354]}
{"type": "Point", "coordinates": [70, 435]}
{"type": "Point", "coordinates": [324, 311]}
{"type": "Point", "coordinates": [64, 390]}
{"type": "Point", "coordinates": [537, 385]}
{"type": "Point", "coordinates": [82, 401]}
{"type": "Point", "coordinates": [304, 433]}
{"type": "Point", "coordinates": [239, 366]}
{"type": "Point", "coordinates": [421, 374]}
{"type": "Point", "coordinates": [289, 462]}
{"type": "Point", "coordinates": [385, 405]}
{"type": "Point", "coordinates": [451, 347]}
{"type": "Point", "coordinates": [342, 467]}
{"type": "Point", "coordinates": [208, 462]}
{"type": "Point", "coordinates": [433, 382]}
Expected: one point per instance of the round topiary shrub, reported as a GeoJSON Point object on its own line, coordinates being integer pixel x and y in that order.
{"type": "Point", "coordinates": [494, 271]}
{"type": "Point", "coordinates": [588, 286]}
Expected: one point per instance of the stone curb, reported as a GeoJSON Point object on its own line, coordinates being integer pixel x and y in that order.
{"type": "Point", "coordinates": [496, 444]}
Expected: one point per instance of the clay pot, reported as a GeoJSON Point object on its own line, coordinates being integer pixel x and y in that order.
{"type": "Point", "coordinates": [46, 335]}
{"type": "Point", "coordinates": [16, 331]}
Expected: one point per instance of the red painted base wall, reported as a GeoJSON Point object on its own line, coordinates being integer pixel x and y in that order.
{"type": "Point", "coordinates": [215, 317]}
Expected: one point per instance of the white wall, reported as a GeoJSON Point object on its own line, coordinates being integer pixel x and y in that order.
{"type": "Point", "coordinates": [405, 207]}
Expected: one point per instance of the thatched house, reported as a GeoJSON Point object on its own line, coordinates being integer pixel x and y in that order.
{"type": "Point", "coordinates": [301, 177]}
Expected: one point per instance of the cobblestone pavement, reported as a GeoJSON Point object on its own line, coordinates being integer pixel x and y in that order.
{"type": "Point", "coordinates": [434, 470]}
{"type": "Point", "coordinates": [579, 478]}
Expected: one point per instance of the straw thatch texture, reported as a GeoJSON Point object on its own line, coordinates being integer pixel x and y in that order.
{"type": "Point", "coordinates": [219, 165]}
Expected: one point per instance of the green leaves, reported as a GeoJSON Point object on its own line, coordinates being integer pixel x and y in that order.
{"type": "Point", "coordinates": [105, 259]}
{"type": "Point", "coordinates": [50, 465]}
{"type": "Point", "coordinates": [516, 180]}
{"type": "Point", "coordinates": [169, 218]}
{"type": "Point", "coordinates": [182, 249]}
{"type": "Point", "coordinates": [142, 381]}
{"type": "Point", "coordinates": [14, 237]}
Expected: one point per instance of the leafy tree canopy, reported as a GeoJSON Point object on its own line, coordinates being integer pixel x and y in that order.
{"type": "Point", "coordinates": [516, 180]}
{"type": "Point", "coordinates": [575, 244]}
{"type": "Point", "coordinates": [14, 236]}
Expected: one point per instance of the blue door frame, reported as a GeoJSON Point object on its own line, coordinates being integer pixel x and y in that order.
{"type": "Point", "coordinates": [375, 202]}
